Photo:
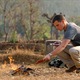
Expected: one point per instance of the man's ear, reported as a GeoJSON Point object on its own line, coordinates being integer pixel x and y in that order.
{"type": "Point", "coordinates": [62, 21]}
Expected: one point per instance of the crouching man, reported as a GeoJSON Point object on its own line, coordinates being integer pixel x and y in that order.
{"type": "Point", "coordinates": [68, 53]}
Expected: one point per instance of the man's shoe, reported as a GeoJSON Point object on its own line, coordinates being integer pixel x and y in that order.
{"type": "Point", "coordinates": [78, 70]}
{"type": "Point", "coordinates": [71, 69]}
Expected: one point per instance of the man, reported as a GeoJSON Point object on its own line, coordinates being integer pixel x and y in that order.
{"type": "Point", "coordinates": [69, 54]}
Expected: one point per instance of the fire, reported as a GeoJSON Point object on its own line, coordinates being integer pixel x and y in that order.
{"type": "Point", "coordinates": [18, 69]}
{"type": "Point", "coordinates": [11, 60]}
{"type": "Point", "coordinates": [13, 66]}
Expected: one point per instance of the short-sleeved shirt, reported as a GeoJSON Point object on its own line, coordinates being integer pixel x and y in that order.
{"type": "Point", "coordinates": [73, 33]}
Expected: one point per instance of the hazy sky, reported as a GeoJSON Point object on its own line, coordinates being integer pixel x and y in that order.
{"type": "Point", "coordinates": [67, 7]}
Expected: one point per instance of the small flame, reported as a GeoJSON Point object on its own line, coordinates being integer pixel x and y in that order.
{"type": "Point", "coordinates": [13, 66]}
{"type": "Point", "coordinates": [11, 60]}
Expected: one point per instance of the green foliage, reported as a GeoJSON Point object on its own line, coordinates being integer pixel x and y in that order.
{"type": "Point", "coordinates": [46, 35]}
{"type": "Point", "coordinates": [44, 32]}
{"type": "Point", "coordinates": [13, 38]}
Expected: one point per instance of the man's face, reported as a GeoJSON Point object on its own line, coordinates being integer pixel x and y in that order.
{"type": "Point", "coordinates": [59, 25]}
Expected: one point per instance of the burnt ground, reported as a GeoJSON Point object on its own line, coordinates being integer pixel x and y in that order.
{"type": "Point", "coordinates": [40, 71]}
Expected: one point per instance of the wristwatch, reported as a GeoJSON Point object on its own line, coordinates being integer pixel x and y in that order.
{"type": "Point", "coordinates": [50, 54]}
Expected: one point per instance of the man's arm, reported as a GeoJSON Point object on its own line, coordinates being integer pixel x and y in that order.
{"type": "Point", "coordinates": [60, 48]}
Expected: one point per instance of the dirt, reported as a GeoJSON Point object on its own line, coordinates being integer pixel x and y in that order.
{"type": "Point", "coordinates": [41, 71]}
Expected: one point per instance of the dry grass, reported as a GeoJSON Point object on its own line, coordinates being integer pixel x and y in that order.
{"type": "Point", "coordinates": [21, 56]}
{"type": "Point", "coordinates": [41, 71]}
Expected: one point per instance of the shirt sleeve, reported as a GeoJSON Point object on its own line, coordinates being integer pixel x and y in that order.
{"type": "Point", "coordinates": [70, 33]}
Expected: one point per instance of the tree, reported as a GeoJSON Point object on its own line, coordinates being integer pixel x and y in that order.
{"type": "Point", "coordinates": [6, 7]}
{"type": "Point", "coordinates": [54, 32]}
{"type": "Point", "coordinates": [22, 16]}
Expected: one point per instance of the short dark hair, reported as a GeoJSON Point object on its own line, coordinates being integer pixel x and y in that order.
{"type": "Point", "coordinates": [58, 18]}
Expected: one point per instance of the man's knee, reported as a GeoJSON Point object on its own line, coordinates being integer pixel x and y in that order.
{"type": "Point", "coordinates": [73, 51]}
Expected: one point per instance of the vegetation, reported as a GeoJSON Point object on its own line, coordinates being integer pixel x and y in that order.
{"type": "Point", "coordinates": [25, 18]}
{"type": "Point", "coordinates": [22, 17]}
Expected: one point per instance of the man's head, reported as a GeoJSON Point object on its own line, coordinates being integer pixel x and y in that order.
{"type": "Point", "coordinates": [59, 22]}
